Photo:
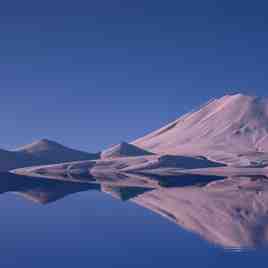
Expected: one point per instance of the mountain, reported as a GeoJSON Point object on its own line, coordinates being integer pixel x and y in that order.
{"type": "Point", "coordinates": [41, 152]}
{"type": "Point", "coordinates": [50, 152]}
{"type": "Point", "coordinates": [124, 150]}
{"type": "Point", "coordinates": [228, 128]}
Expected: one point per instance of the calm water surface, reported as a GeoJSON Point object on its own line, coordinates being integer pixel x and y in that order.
{"type": "Point", "coordinates": [92, 229]}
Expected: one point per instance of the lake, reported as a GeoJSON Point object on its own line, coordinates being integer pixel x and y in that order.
{"type": "Point", "coordinates": [93, 229]}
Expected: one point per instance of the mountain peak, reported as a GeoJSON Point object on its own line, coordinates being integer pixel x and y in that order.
{"type": "Point", "coordinates": [241, 97]}
{"type": "Point", "coordinates": [45, 141]}
{"type": "Point", "coordinates": [40, 145]}
{"type": "Point", "coordinates": [235, 96]}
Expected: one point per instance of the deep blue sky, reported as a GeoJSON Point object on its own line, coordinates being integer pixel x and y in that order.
{"type": "Point", "coordinates": [92, 73]}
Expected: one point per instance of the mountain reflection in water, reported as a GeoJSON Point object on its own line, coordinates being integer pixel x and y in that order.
{"type": "Point", "coordinates": [231, 212]}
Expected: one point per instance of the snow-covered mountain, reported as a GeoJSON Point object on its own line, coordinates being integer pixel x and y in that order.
{"type": "Point", "coordinates": [229, 128]}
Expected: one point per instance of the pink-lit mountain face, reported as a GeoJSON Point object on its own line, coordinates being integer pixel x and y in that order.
{"type": "Point", "coordinates": [228, 128]}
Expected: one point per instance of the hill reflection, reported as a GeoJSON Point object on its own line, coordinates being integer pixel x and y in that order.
{"type": "Point", "coordinates": [231, 212]}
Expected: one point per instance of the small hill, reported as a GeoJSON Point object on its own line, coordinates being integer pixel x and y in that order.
{"type": "Point", "coordinates": [45, 152]}
{"type": "Point", "coordinates": [124, 150]}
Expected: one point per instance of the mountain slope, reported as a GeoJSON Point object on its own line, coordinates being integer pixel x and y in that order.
{"type": "Point", "coordinates": [224, 128]}
{"type": "Point", "coordinates": [41, 152]}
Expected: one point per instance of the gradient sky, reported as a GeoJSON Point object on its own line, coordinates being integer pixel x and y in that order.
{"type": "Point", "coordinates": [90, 74]}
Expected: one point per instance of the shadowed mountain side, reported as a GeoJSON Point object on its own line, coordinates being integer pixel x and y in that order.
{"type": "Point", "coordinates": [124, 150]}
{"type": "Point", "coordinates": [41, 152]}
{"type": "Point", "coordinates": [232, 213]}
{"type": "Point", "coordinates": [222, 130]}
{"type": "Point", "coordinates": [49, 152]}
{"type": "Point", "coordinates": [174, 161]}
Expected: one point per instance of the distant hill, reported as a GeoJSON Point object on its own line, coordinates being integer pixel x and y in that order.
{"type": "Point", "coordinates": [41, 152]}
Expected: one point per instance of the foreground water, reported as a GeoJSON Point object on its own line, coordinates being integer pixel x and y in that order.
{"type": "Point", "coordinates": [94, 229]}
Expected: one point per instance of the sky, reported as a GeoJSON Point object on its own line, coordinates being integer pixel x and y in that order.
{"type": "Point", "coordinates": [90, 74]}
